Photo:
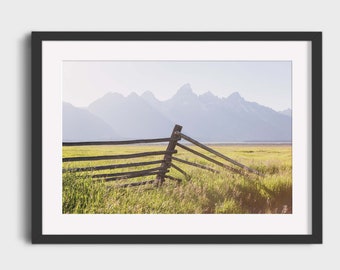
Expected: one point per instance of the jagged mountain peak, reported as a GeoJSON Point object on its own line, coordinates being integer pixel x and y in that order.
{"type": "Point", "coordinates": [150, 98]}
{"type": "Point", "coordinates": [113, 95]}
{"type": "Point", "coordinates": [208, 97]}
{"type": "Point", "coordinates": [185, 89]}
{"type": "Point", "coordinates": [185, 92]}
{"type": "Point", "coordinates": [148, 94]}
{"type": "Point", "coordinates": [235, 97]}
{"type": "Point", "coordinates": [207, 94]}
{"type": "Point", "coordinates": [206, 116]}
{"type": "Point", "coordinates": [106, 100]}
{"type": "Point", "coordinates": [132, 95]}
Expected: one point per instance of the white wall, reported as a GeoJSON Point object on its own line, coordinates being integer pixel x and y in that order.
{"type": "Point", "coordinates": [19, 18]}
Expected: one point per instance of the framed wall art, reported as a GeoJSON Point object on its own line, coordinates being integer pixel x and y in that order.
{"type": "Point", "coordinates": [177, 137]}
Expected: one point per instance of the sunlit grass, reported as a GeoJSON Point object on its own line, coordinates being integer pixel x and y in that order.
{"type": "Point", "coordinates": [202, 192]}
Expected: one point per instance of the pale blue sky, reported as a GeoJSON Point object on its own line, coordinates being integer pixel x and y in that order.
{"type": "Point", "coordinates": [268, 83]}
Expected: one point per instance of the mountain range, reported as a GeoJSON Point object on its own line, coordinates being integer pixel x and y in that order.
{"type": "Point", "coordinates": [204, 117]}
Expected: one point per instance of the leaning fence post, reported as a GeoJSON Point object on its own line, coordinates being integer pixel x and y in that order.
{"type": "Point", "coordinates": [175, 136]}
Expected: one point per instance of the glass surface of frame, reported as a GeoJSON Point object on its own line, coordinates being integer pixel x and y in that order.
{"type": "Point", "coordinates": [246, 104]}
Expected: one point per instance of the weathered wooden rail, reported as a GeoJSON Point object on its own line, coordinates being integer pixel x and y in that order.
{"type": "Point", "coordinates": [125, 156]}
{"type": "Point", "coordinates": [115, 166]}
{"type": "Point", "coordinates": [218, 154]}
{"type": "Point", "coordinates": [161, 171]}
{"type": "Point", "coordinates": [117, 142]}
{"type": "Point", "coordinates": [208, 158]}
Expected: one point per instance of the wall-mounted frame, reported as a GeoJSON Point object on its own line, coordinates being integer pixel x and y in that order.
{"type": "Point", "coordinates": [298, 221]}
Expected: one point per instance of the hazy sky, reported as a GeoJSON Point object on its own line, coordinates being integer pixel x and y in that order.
{"type": "Point", "coordinates": [268, 83]}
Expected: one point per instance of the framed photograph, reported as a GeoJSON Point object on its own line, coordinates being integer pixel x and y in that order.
{"type": "Point", "coordinates": [177, 137]}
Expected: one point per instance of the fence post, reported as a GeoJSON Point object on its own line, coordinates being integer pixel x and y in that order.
{"type": "Point", "coordinates": [175, 136]}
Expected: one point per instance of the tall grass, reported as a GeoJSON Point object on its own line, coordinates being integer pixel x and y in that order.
{"type": "Point", "coordinates": [81, 194]}
{"type": "Point", "coordinates": [203, 192]}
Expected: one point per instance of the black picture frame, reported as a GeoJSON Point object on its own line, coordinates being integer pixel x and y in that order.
{"type": "Point", "coordinates": [315, 38]}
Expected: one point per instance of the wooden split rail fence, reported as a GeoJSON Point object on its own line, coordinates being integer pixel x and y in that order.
{"type": "Point", "coordinates": [164, 163]}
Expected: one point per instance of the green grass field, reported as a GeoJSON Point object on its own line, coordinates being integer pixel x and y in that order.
{"type": "Point", "coordinates": [202, 192]}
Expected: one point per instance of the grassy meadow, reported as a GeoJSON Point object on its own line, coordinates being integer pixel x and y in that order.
{"type": "Point", "coordinates": [201, 192]}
